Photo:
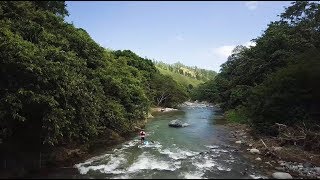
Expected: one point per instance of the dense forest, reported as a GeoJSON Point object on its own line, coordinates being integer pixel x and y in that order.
{"type": "Point", "coordinates": [59, 86]}
{"type": "Point", "coordinates": [276, 81]}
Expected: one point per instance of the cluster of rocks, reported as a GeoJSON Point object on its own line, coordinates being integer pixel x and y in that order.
{"type": "Point", "coordinates": [275, 175]}
{"type": "Point", "coordinates": [303, 169]}
{"type": "Point", "coordinates": [297, 169]}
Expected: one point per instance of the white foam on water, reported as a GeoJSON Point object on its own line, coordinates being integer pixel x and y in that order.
{"type": "Point", "coordinates": [109, 168]}
{"type": "Point", "coordinates": [193, 175]}
{"type": "Point", "coordinates": [150, 145]}
{"type": "Point", "coordinates": [126, 176]}
{"type": "Point", "coordinates": [131, 143]}
{"type": "Point", "coordinates": [219, 150]}
{"type": "Point", "coordinates": [215, 155]}
{"type": "Point", "coordinates": [206, 165]}
{"type": "Point", "coordinates": [91, 160]}
{"type": "Point", "coordinates": [146, 161]}
{"type": "Point", "coordinates": [212, 146]}
{"type": "Point", "coordinates": [177, 153]}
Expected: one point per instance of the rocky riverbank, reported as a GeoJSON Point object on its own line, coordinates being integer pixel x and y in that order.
{"type": "Point", "coordinates": [278, 161]}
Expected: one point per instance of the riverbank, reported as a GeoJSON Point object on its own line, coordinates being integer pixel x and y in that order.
{"type": "Point", "coordinates": [23, 163]}
{"type": "Point", "coordinates": [270, 155]}
{"type": "Point", "coordinates": [65, 156]}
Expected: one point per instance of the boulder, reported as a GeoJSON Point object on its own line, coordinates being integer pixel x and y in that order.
{"type": "Point", "coordinates": [258, 159]}
{"type": "Point", "coordinates": [254, 151]}
{"type": "Point", "coordinates": [281, 175]}
{"type": "Point", "coordinates": [176, 123]}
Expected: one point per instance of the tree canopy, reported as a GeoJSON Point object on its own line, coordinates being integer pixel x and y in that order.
{"type": "Point", "coordinates": [58, 85]}
{"type": "Point", "coordinates": [276, 81]}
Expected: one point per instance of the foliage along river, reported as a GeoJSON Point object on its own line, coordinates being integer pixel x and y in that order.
{"type": "Point", "coordinates": [200, 150]}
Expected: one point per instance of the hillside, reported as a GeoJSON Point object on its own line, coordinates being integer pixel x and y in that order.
{"type": "Point", "coordinates": [185, 74]}
{"type": "Point", "coordinates": [184, 80]}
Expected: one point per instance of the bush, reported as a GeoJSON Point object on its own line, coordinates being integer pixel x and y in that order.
{"type": "Point", "coordinates": [238, 115]}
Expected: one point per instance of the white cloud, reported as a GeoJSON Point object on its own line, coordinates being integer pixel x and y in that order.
{"type": "Point", "coordinates": [223, 51]}
{"type": "Point", "coordinates": [226, 50]}
{"type": "Point", "coordinates": [220, 54]}
{"type": "Point", "coordinates": [251, 5]}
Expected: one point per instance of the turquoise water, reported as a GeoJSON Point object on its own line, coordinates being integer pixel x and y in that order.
{"type": "Point", "coordinates": [200, 150]}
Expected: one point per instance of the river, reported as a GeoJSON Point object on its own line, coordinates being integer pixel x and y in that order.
{"type": "Point", "coordinates": [200, 150]}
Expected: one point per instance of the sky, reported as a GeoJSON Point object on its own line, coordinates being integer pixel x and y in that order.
{"type": "Point", "coordinates": [195, 33]}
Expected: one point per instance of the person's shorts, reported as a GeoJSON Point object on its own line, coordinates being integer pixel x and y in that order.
{"type": "Point", "coordinates": [142, 138]}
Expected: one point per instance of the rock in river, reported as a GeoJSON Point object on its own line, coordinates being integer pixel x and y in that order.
{"type": "Point", "coordinates": [281, 175]}
{"type": "Point", "coordinates": [253, 151]}
{"type": "Point", "coordinates": [177, 123]}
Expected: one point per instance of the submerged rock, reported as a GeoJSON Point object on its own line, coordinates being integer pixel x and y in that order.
{"type": "Point", "coordinates": [177, 123]}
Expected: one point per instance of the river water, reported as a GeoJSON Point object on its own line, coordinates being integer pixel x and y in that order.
{"type": "Point", "coordinates": [200, 150]}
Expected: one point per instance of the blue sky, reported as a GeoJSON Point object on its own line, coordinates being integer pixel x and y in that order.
{"type": "Point", "coordinates": [195, 33]}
